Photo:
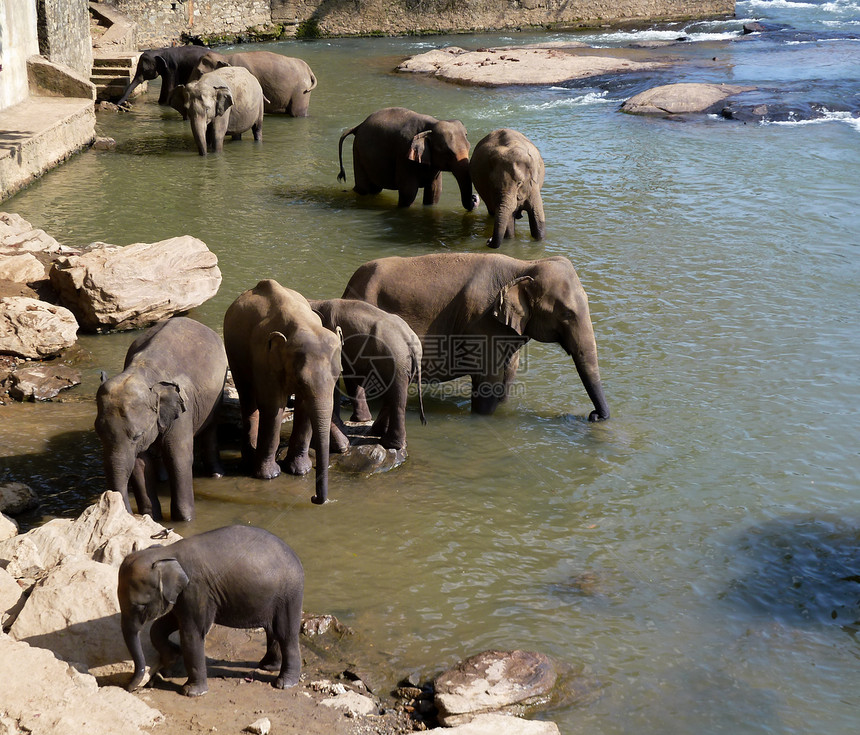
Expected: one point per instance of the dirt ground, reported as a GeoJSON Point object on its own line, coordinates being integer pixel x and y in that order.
{"type": "Point", "coordinates": [239, 695]}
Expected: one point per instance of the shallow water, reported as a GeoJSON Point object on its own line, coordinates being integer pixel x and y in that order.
{"type": "Point", "coordinates": [714, 516]}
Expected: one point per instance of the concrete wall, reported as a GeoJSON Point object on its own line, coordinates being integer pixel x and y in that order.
{"type": "Point", "coordinates": [64, 33]}
{"type": "Point", "coordinates": [18, 40]}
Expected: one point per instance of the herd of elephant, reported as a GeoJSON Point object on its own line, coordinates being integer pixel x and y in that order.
{"type": "Point", "coordinates": [429, 318]}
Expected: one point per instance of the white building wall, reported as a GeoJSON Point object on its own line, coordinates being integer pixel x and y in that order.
{"type": "Point", "coordinates": [18, 40]}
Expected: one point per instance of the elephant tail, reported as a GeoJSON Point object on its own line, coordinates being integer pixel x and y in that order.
{"type": "Point", "coordinates": [313, 84]}
{"type": "Point", "coordinates": [416, 370]}
{"type": "Point", "coordinates": [342, 175]}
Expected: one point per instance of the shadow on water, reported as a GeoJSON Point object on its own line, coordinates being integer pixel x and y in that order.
{"type": "Point", "coordinates": [800, 570]}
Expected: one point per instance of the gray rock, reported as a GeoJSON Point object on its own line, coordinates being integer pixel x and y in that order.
{"type": "Point", "coordinates": [259, 727]}
{"type": "Point", "coordinates": [23, 268]}
{"type": "Point", "coordinates": [42, 382]}
{"type": "Point", "coordinates": [490, 724]}
{"type": "Point", "coordinates": [677, 99]}
{"type": "Point", "coordinates": [35, 329]}
{"type": "Point", "coordinates": [130, 287]}
{"type": "Point", "coordinates": [8, 527]}
{"type": "Point", "coordinates": [492, 681]}
{"type": "Point", "coordinates": [16, 497]}
{"type": "Point", "coordinates": [352, 703]}
{"type": "Point", "coordinates": [369, 459]}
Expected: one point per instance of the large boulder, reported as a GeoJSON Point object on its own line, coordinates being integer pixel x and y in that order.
{"type": "Point", "coordinates": [105, 532]}
{"type": "Point", "coordinates": [35, 329]}
{"type": "Point", "coordinates": [493, 681]}
{"type": "Point", "coordinates": [679, 99]}
{"type": "Point", "coordinates": [131, 287]}
{"type": "Point", "coordinates": [42, 381]}
{"type": "Point", "coordinates": [8, 527]}
{"type": "Point", "coordinates": [17, 236]}
{"type": "Point", "coordinates": [23, 268]}
{"type": "Point", "coordinates": [44, 695]}
{"type": "Point", "coordinates": [16, 497]}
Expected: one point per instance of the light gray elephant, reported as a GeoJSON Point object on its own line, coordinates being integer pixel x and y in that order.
{"type": "Point", "coordinates": [379, 354]}
{"type": "Point", "coordinates": [287, 82]}
{"type": "Point", "coordinates": [238, 576]}
{"type": "Point", "coordinates": [226, 102]}
{"type": "Point", "coordinates": [508, 172]}
{"type": "Point", "coordinates": [164, 401]}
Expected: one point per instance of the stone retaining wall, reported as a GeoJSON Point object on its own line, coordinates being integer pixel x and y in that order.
{"type": "Point", "coordinates": [64, 34]}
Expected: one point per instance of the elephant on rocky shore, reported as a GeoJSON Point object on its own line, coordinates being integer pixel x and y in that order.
{"type": "Point", "coordinates": [238, 576]}
{"type": "Point", "coordinates": [173, 64]}
{"type": "Point", "coordinates": [163, 403]}
{"type": "Point", "coordinates": [220, 103]}
{"type": "Point", "coordinates": [399, 149]}
{"type": "Point", "coordinates": [277, 347]}
{"type": "Point", "coordinates": [287, 82]}
{"type": "Point", "coordinates": [474, 311]}
{"type": "Point", "coordinates": [381, 355]}
{"type": "Point", "coordinates": [508, 172]}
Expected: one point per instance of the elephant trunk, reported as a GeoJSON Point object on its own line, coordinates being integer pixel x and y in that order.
{"type": "Point", "coordinates": [135, 83]}
{"type": "Point", "coordinates": [131, 634]}
{"type": "Point", "coordinates": [460, 170]}
{"type": "Point", "coordinates": [584, 354]}
{"type": "Point", "coordinates": [198, 130]}
{"type": "Point", "coordinates": [321, 441]}
{"type": "Point", "coordinates": [118, 471]}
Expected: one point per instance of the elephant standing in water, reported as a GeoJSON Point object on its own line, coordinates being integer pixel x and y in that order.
{"type": "Point", "coordinates": [399, 149]}
{"type": "Point", "coordinates": [277, 347]}
{"type": "Point", "coordinates": [474, 311]}
{"type": "Point", "coordinates": [165, 400]}
{"type": "Point", "coordinates": [508, 171]}
{"type": "Point", "coordinates": [287, 82]}
{"type": "Point", "coordinates": [380, 354]}
{"type": "Point", "coordinates": [224, 102]}
{"type": "Point", "coordinates": [173, 64]}
{"type": "Point", "coordinates": [238, 576]}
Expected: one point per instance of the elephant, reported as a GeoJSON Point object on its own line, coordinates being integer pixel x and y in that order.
{"type": "Point", "coordinates": [172, 63]}
{"type": "Point", "coordinates": [237, 576]}
{"type": "Point", "coordinates": [287, 82]}
{"type": "Point", "coordinates": [227, 101]}
{"type": "Point", "coordinates": [276, 347]}
{"type": "Point", "coordinates": [508, 172]}
{"type": "Point", "coordinates": [380, 353]}
{"type": "Point", "coordinates": [164, 402]}
{"type": "Point", "coordinates": [396, 148]}
{"type": "Point", "coordinates": [474, 311]}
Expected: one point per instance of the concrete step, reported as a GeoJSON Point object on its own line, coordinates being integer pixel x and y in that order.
{"type": "Point", "coordinates": [113, 71]}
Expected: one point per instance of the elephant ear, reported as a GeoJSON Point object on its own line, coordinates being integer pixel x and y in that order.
{"type": "Point", "coordinates": [223, 100]}
{"type": "Point", "coordinates": [513, 304]}
{"type": "Point", "coordinates": [419, 148]}
{"type": "Point", "coordinates": [170, 403]}
{"type": "Point", "coordinates": [160, 65]}
{"type": "Point", "coordinates": [172, 579]}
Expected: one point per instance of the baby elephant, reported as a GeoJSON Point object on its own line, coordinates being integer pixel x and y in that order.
{"type": "Point", "coordinates": [164, 402]}
{"type": "Point", "coordinates": [508, 171]}
{"type": "Point", "coordinates": [380, 356]}
{"type": "Point", "coordinates": [237, 576]}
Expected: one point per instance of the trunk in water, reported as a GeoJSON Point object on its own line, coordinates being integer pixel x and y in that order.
{"type": "Point", "coordinates": [198, 129]}
{"type": "Point", "coordinates": [464, 179]}
{"type": "Point", "coordinates": [320, 441]}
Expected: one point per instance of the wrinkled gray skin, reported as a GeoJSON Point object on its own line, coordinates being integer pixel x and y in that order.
{"type": "Point", "coordinates": [382, 355]}
{"type": "Point", "coordinates": [277, 347]}
{"type": "Point", "coordinates": [161, 406]}
{"type": "Point", "coordinates": [224, 102]}
{"type": "Point", "coordinates": [399, 149]}
{"type": "Point", "coordinates": [237, 576]}
{"type": "Point", "coordinates": [508, 172]}
{"type": "Point", "coordinates": [287, 82]}
{"type": "Point", "coordinates": [492, 305]}
{"type": "Point", "coordinates": [172, 63]}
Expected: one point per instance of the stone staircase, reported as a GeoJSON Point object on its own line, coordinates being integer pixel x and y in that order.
{"type": "Point", "coordinates": [113, 72]}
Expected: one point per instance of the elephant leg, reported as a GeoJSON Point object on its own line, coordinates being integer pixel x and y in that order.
{"type": "Point", "coordinates": [407, 190]}
{"type": "Point", "coordinates": [537, 221]}
{"type": "Point", "coordinates": [192, 636]}
{"type": "Point", "coordinates": [159, 634]}
{"type": "Point", "coordinates": [268, 437]}
{"type": "Point", "coordinates": [272, 660]}
{"type": "Point", "coordinates": [364, 184]}
{"type": "Point", "coordinates": [235, 136]}
{"type": "Point", "coordinates": [299, 103]}
{"type": "Point", "coordinates": [287, 623]}
{"type": "Point", "coordinates": [144, 480]}
{"type": "Point", "coordinates": [394, 410]}
{"type": "Point", "coordinates": [257, 130]}
{"type": "Point", "coordinates": [178, 457]}
{"type": "Point", "coordinates": [355, 390]}
{"type": "Point", "coordinates": [433, 191]}
{"type": "Point", "coordinates": [298, 460]}
{"type": "Point", "coordinates": [207, 440]}
{"type": "Point", "coordinates": [219, 132]}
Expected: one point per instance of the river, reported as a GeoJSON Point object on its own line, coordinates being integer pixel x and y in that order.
{"type": "Point", "coordinates": [697, 556]}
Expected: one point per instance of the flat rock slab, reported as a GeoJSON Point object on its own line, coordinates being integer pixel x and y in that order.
{"type": "Point", "coordinates": [42, 382]}
{"type": "Point", "coordinates": [679, 99]}
{"type": "Point", "coordinates": [497, 67]}
{"type": "Point", "coordinates": [500, 725]}
{"type": "Point", "coordinates": [35, 329]}
{"type": "Point", "coordinates": [492, 681]}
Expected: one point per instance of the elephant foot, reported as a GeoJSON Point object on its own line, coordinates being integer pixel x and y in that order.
{"type": "Point", "coordinates": [361, 417]}
{"type": "Point", "coordinates": [300, 465]}
{"type": "Point", "coordinates": [195, 690]}
{"type": "Point", "coordinates": [492, 243]}
{"type": "Point", "coordinates": [285, 681]}
{"type": "Point", "coordinates": [136, 680]}
{"type": "Point", "coordinates": [394, 443]}
{"type": "Point", "coordinates": [268, 471]}
{"type": "Point", "coordinates": [270, 663]}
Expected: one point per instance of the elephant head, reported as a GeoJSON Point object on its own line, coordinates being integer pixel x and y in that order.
{"type": "Point", "coordinates": [445, 147]}
{"type": "Point", "coordinates": [208, 62]}
{"type": "Point", "coordinates": [202, 102]}
{"type": "Point", "coordinates": [147, 588]}
{"type": "Point", "coordinates": [150, 65]}
{"type": "Point", "coordinates": [549, 304]}
{"type": "Point", "coordinates": [132, 413]}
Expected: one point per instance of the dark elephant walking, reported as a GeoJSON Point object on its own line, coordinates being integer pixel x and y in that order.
{"type": "Point", "coordinates": [173, 64]}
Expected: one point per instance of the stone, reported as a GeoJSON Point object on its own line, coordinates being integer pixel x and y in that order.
{"type": "Point", "coordinates": [35, 329]}
{"type": "Point", "coordinates": [17, 235]}
{"type": "Point", "coordinates": [11, 594]}
{"type": "Point", "coordinates": [23, 268]}
{"type": "Point", "coordinates": [369, 459]}
{"type": "Point", "coordinates": [259, 727]}
{"type": "Point", "coordinates": [42, 382]}
{"type": "Point", "coordinates": [492, 724]}
{"type": "Point", "coordinates": [493, 680]}
{"type": "Point", "coordinates": [16, 497]}
{"type": "Point", "coordinates": [105, 532]}
{"type": "Point", "coordinates": [102, 143]}
{"type": "Point", "coordinates": [44, 695]}
{"type": "Point", "coordinates": [676, 99]}
{"type": "Point", "coordinates": [130, 287]}
{"type": "Point", "coordinates": [73, 611]}
{"type": "Point", "coordinates": [8, 527]}
{"type": "Point", "coordinates": [352, 703]}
